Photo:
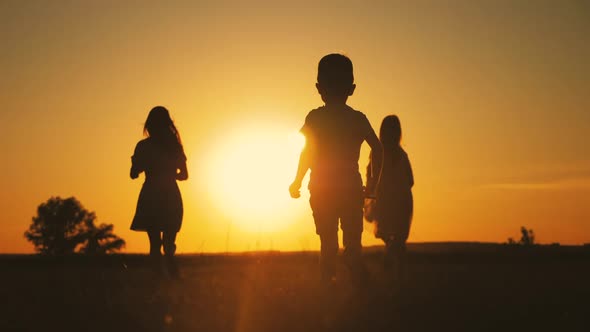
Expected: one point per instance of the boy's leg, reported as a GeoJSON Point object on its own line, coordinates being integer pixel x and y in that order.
{"type": "Point", "coordinates": [328, 255]}
{"type": "Point", "coordinates": [326, 223]}
{"type": "Point", "coordinates": [352, 229]}
{"type": "Point", "coordinates": [352, 240]}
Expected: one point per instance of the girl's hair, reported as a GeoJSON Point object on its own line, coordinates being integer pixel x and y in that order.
{"type": "Point", "coordinates": [390, 133]}
{"type": "Point", "coordinates": [160, 127]}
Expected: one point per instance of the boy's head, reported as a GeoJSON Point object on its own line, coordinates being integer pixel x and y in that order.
{"type": "Point", "coordinates": [335, 77]}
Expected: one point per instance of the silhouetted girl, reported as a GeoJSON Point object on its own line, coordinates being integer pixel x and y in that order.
{"type": "Point", "coordinates": [394, 195]}
{"type": "Point", "coordinates": [159, 207]}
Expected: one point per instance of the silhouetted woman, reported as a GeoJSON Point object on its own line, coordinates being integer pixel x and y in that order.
{"type": "Point", "coordinates": [394, 195]}
{"type": "Point", "coordinates": [159, 207]}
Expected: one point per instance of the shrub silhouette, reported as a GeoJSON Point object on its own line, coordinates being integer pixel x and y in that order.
{"type": "Point", "coordinates": [63, 226]}
{"type": "Point", "coordinates": [527, 237]}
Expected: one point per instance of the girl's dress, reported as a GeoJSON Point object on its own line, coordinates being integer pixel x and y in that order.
{"type": "Point", "coordinates": [394, 196]}
{"type": "Point", "coordinates": [159, 207]}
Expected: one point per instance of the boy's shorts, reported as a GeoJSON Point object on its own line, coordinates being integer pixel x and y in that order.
{"type": "Point", "coordinates": [329, 206]}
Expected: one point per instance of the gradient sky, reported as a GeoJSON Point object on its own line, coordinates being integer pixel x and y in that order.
{"type": "Point", "coordinates": [493, 97]}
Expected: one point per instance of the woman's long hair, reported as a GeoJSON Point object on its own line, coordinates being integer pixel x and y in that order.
{"type": "Point", "coordinates": [161, 128]}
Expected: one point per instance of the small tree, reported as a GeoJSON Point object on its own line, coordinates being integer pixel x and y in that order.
{"type": "Point", "coordinates": [63, 226]}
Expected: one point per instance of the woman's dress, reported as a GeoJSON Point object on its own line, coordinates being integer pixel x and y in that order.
{"type": "Point", "coordinates": [159, 207]}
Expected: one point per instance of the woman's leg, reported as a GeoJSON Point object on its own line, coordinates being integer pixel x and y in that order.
{"type": "Point", "coordinates": [155, 243]}
{"type": "Point", "coordinates": [155, 252]}
{"type": "Point", "coordinates": [169, 240]}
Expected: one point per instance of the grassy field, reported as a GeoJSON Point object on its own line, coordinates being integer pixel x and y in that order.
{"type": "Point", "coordinates": [469, 290]}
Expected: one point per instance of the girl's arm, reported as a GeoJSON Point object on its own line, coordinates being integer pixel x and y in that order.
{"type": "Point", "coordinates": [376, 162]}
{"type": "Point", "coordinates": [410, 172]}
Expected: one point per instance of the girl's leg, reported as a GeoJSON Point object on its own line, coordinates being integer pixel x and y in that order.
{"type": "Point", "coordinates": [388, 255]}
{"type": "Point", "coordinates": [401, 232]}
{"type": "Point", "coordinates": [399, 258]}
{"type": "Point", "coordinates": [401, 250]}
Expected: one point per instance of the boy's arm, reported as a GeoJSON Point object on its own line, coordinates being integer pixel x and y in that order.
{"type": "Point", "coordinates": [304, 165]}
{"type": "Point", "coordinates": [304, 158]}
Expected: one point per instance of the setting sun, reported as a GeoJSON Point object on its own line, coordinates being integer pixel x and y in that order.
{"type": "Point", "coordinates": [249, 176]}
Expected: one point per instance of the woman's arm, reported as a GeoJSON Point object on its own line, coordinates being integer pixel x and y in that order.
{"type": "Point", "coordinates": [183, 172]}
{"type": "Point", "coordinates": [136, 163]}
{"type": "Point", "coordinates": [134, 173]}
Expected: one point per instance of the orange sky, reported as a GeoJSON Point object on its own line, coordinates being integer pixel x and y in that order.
{"type": "Point", "coordinates": [492, 95]}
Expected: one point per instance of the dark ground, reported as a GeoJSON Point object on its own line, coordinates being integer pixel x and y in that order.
{"type": "Point", "coordinates": [495, 288]}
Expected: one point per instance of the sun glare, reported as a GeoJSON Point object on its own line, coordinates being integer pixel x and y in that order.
{"type": "Point", "coordinates": [249, 178]}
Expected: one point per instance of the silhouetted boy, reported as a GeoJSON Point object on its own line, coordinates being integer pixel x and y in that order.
{"type": "Point", "coordinates": [334, 134]}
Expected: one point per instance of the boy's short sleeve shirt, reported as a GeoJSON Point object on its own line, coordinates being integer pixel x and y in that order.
{"type": "Point", "coordinates": [335, 137]}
